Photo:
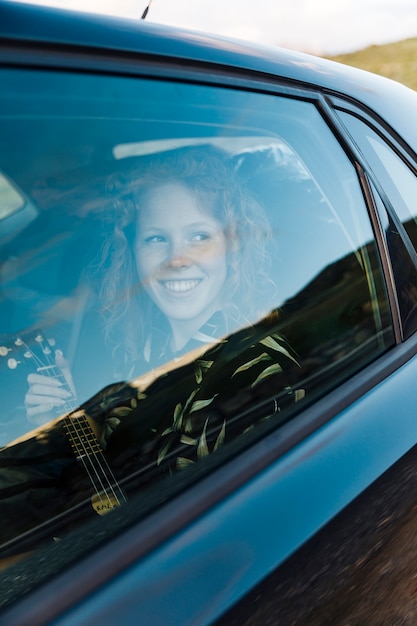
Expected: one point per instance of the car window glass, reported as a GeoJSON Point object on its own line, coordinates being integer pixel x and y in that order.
{"type": "Point", "coordinates": [199, 267]}
{"type": "Point", "coordinates": [398, 184]}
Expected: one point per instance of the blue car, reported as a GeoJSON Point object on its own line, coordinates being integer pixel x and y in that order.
{"type": "Point", "coordinates": [208, 347]}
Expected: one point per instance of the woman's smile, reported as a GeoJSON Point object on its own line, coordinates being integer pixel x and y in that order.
{"type": "Point", "coordinates": [184, 286]}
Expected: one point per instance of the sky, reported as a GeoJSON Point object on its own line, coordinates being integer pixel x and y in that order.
{"type": "Point", "coordinates": [323, 27]}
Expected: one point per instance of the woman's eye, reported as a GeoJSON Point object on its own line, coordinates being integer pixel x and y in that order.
{"type": "Point", "coordinates": [154, 239]}
{"type": "Point", "coordinates": [201, 236]}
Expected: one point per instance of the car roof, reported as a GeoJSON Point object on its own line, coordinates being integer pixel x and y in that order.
{"type": "Point", "coordinates": [37, 24]}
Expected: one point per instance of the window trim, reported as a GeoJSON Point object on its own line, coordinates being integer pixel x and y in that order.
{"type": "Point", "coordinates": [379, 126]}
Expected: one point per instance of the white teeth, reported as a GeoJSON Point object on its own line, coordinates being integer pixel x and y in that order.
{"type": "Point", "coordinates": [180, 285]}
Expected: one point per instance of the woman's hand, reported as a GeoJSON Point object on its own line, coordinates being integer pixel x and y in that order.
{"type": "Point", "coordinates": [48, 395]}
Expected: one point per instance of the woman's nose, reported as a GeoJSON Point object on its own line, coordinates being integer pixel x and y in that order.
{"type": "Point", "coordinates": [179, 257]}
{"type": "Point", "coordinates": [178, 262]}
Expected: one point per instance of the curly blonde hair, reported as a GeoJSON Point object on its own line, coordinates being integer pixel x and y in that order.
{"type": "Point", "coordinates": [207, 171]}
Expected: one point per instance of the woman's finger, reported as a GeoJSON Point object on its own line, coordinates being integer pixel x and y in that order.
{"type": "Point", "coordinates": [48, 393]}
{"type": "Point", "coordinates": [63, 364]}
{"type": "Point", "coordinates": [46, 390]}
{"type": "Point", "coordinates": [42, 400]}
{"type": "Point", "coordinates": [44, 380]}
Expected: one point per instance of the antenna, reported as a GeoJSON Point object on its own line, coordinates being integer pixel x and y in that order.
{"type": "Point", "coordinates": [145, 13]}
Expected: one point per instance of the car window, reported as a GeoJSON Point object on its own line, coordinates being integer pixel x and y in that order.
{"type": "Point", "coordinates": [199, 268]}
{"type": "Point", "coordinates": [396, 193]}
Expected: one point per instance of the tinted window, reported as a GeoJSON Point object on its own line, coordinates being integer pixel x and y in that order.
{"type": "Point", "coordinates": [198, 267]}
{"type": "Point", "coordinates": [397, 189]}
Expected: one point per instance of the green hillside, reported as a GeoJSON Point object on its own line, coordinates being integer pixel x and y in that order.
{"type": "Point", "coordinates": [395, 60]}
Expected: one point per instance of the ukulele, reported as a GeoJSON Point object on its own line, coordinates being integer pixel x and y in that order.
{"type": "Point", "coordinates": [39, 353]}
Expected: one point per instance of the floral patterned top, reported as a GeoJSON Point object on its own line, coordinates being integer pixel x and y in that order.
{"type": "Point", "coordinates": [189, 412]}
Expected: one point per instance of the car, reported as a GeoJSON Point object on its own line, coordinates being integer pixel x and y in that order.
{"type": "Point", "coordinates": [208, 348]}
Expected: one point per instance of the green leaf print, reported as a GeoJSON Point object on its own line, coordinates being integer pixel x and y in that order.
{"type": "Point", "coordinates": [178, 414]}
{"type": "Point", "coordinates": [262, 357]}
{"type": "Point", "coordinates": [163, 451]}
{"type": "Point", "coordinates": [221, 437]}
{"type": "Point", "coordinates": [202, 449]}
{"type": "Point", "coordinates": [183, 463]}
{"type": "Point", "coordinates": [189, 441]}
{"type": "Point", "coordinates": [201, 404]}
{"type": "Point", "coordinates": [269, 342]}
{"type": "Point", "coordinates": [269, 371]}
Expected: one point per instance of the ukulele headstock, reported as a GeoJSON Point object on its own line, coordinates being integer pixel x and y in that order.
{"type": "Point", "coordinates": [33, 349]}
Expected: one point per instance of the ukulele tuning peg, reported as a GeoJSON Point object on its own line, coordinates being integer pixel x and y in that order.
{"type": "Point", "coordinates": [46, 350]}
{"type": "Point", "coordinates": [39, 338]}
{"type": "Point", "coordinates": [28, 354]}
{"type": "Point", "coordinates": [18, 342]}
{"type": "Point", "coordinates": [12, 364]}
{"type": "Point", "coordinates": [4, 351]}
{"type": "Point", "coordinates": [51, 342]}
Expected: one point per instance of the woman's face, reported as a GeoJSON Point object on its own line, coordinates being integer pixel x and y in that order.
{"type": "Point", "coordinates": [180, 255]}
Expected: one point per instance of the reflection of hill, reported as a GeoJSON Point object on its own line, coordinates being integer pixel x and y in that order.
{"type": "Point", "coordinates": [333, 315]}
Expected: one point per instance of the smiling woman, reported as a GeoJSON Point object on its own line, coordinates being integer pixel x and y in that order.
{"type": "Point", "coordinates": [181, 259]}
{"type": "Point", "coordinates": [183, 264]}
{"type": "Point", "coordinates": [198, 263]}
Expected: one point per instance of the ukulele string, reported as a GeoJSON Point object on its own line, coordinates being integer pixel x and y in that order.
{"type": "Point", "coordinates": [87, 456]}
{"type": "Point", "coordinates": [49, 368]}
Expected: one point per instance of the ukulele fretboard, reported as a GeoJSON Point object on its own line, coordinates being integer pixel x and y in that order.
{"type": "Point", "coordinates": [82, 439]}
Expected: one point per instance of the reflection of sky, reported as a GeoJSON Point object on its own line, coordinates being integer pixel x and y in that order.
{"type": "Point", "coordinates": [299, 262]}
{"type": "Point", "coordinates": [309, 232]}
{"type": "Point", "coordinates": [310, 246]}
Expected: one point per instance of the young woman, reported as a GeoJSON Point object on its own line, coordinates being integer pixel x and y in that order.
{"type": "Point", "coordinates": [184, 263]}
